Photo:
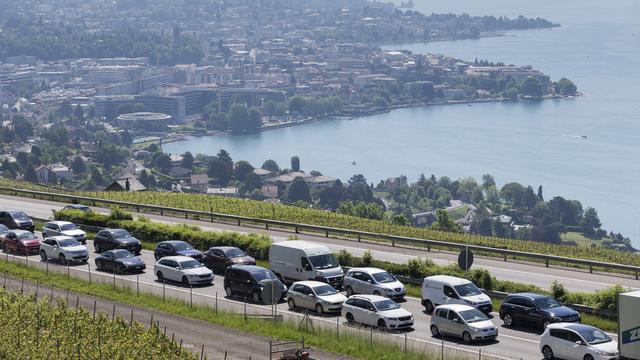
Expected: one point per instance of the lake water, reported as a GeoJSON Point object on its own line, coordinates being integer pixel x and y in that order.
{"type": "Point", "coordinates": [598, 47]}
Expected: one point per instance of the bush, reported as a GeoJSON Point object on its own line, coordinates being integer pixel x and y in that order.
{"type": "Point", "coordinates": [558, 291]}
{"type": "Point", "coordinates": [367, 258]}
{"type": "Point", "coordinates": [344, 257]}
{"type": "Point", "coordinates": [607, 299]}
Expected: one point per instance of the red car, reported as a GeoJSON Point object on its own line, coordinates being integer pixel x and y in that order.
{"type": "Point", "coordinates": [21, 241]}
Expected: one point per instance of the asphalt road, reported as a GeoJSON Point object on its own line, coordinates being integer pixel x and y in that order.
{"type": "Point", "coordinates": [520, 272]}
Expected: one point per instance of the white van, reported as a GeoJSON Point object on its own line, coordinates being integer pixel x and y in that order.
{"type": "Point", "coordinates": [443, 289]}
{"type": "Point", "coordinates": [303, 260]}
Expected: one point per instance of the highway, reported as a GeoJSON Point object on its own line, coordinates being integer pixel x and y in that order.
{"type": "Point", "coordinates": [521, 272]}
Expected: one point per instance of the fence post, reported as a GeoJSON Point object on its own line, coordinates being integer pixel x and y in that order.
{"type": "Point", "coordinates": [190, 296]}
{"type": "Point", "coordinates": [442, 351]}
{"type": "Point", "coordinates": [480, 354]}
{"type": "Point", "coordinates": [405, 344]}
{"type": "Point", "coordinates": [245, 309]}
{"type": "Point", "coordinates": [131, 319]}
{"type": "Point", "coordinates": [164, 282]}
{"type": "Point", "coordinates": [114, 277]}
{"type": "Point", "coordinates": [337, 328]}
{"type": "Point", "coordinates": [216, 303]}
{"type": "Point", "coordinates": [94, 308]}
{"type": "Point", "coordinates": [359, 238]}
{"type": "Point", "coordinates": [546, 262]}
{"type": "Point", "coordinates": [371, 336]}
{"type": "Point", "coordinates": [89, 268]}
{"type": "Point", "coordinates": [202, 352]}
{"type": "Point", "coordinates": [137, 284]}
{"type": "Point", "coordinates": [590, 268]}
{"type": "Point", "coordinates": [238, 222]}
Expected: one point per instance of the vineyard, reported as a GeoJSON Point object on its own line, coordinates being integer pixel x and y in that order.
{"type": "Point", "coordinates": [261, 210]}
{"type": "Point", "coordinates": [32, 329]}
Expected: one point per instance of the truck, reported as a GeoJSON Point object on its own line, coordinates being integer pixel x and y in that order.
{"type": "Point", "coordinates": [629, 325]}
{"type": "Point", "coordinates": [299, 260]}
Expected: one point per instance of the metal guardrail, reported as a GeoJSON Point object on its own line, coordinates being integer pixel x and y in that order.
{"type": "Point", "coordinates": [355, 234]}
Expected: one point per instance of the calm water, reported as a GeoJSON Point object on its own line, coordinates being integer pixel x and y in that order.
{"type": "Point", "coordinates": [598, 47]}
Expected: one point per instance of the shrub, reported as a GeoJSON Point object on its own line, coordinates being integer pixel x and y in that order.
{"type": "Point", "coordinates": [558, 291]}
{"type": "Point", "coordinates": [367, 258]}
{"type": "Point", "coordinates": [608, 298]}
{"type": "Point", "coordinates": [344, 258]}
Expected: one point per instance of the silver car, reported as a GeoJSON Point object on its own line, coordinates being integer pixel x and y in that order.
{"type": "Point", "coordinates": [64, 228]}
{"type": "Point", "coordinates": [464, 322]}
{"type": "Point", "coordinates": [315, 295]}
{"type": "Point", "coordinates": [183, 269]}
{"type": "Point", "coordinates": [373, 281]}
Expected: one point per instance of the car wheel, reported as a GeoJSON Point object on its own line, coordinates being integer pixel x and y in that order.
{"type": "Point", "coordinates": [292, 304]}
{"type": "Point", "coordinates": [350, 318]}
{"type": "Point", "coordinates": [185, 281]}
{"type": "Point", "coordinates": [96, 245]}
{"type": "Point", "coordinates": [43, 256]}
{"type": "Point", "coordinates": [376, 293]}
{"type": "Point", "coordinates": [4, 248]}
{"type": "Point", "coordinates": [349, 291]}
{"type": "Point", "coordinates": [62, 260]}
{"type": "Point", "coordinates": [319, 310]}
{"type": "Point", "coordinates": [428, 306]}
{"type": "Point", "coordinates": [434, 331]}
{"type": "Point", "coordinates": [466, 337]}
{"type": "Point", "coordinates": [588, 357]}
{"type": "Point", "coordinates": [547, 353]}
{"type": "Point", "coordinates": [545, 324]}
{"type": "Point", "coordinates": [256, 296]}
{"type": "Point", "coordinates": [120, 269]}
{"type": "Point", "coordinates": [382, 324]}
{"type": "Point", "coordinates": [508, 320]}
{"type": "Point", "coordinates": [99, 265]}
{"type": "Point", "coordinates": [160, 276]}
{"type": "Point", "coordinates": [228, 291]}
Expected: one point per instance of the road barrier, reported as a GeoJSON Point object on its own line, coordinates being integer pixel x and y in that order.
{"type": "Point", "coordinates": [505, 254]}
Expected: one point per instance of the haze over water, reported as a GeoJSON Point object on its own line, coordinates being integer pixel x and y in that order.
{"type": "Point", "coordinates": [598, 47]}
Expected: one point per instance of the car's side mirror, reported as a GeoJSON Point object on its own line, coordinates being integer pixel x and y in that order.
{"type": "Point", "coordinates": [456, 320]}
{"type": "Point", "coordinates": [310, 294]}
{"type": "Point", "coordinates": [580, 343]}
{"type": "Point", "coordinates": [370, 281]}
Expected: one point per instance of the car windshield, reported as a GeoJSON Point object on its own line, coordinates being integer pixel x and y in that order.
{"type": "Point", "coordinates": [234, 253]}
{"type": "Point", "coordinates": [264, 275]}
{"type": "Point", "coordinates": [68, 243]}
{"type": "Point", "coordinates": [326, 261]}
{"type": "Point", "coordinates": [467, 290]}
{"type": "Point", "coordinates": [325, 290]}
{"type": "Point", "coordinates": [473, 315]}
{"type": "Point", "coordinates": [182, 246]}
{"type": "Point", "coordinates": [66, 227]}
{"type": "Point", "coordinates": [19, 215]}
{"type": "Point", "coordinates": [546, 303]}
{"type": "Point", "coordinates": [384, 277]}
{"type": "Point", "coordinates": [190, 264]}
{"type": "Point", "coordinates": [117, 234]}
{"type": "Point", "coordinates": [593, 335]}
{"type": "Point", "coordinates": [3, 229]}
{"type": "Point", "coordinates": [26, 236]}
{"type": "Point", "coordinates": [384, 305]}
{"type": "Point", "coordinates": [122, 255]}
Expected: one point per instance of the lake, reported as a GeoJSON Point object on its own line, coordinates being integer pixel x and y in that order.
{"type": "Point", "coordinates": [598, 47]}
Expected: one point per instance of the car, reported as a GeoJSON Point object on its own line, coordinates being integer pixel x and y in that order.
{"type": "Point", "coordinates": [83, 208]}
{"type": "Point", "coordinates": [572, 341]}
{"type": "Point", "coordinates": [21, 241]}
{"type": "Point", "coordinates": [462, 321]}
{"type": "Point", "coordinates": [176, 247]}
{"type": "Point", "coordinates": [3, 230]}
{"type": "Point", "coordinates": [120, 261]}
{"type": "Point", "coordinates": [444, 289]}
{"type": "Point", "coordinates": [64, 248]}
{"type": "Point", "coordinates": [16, 219]}
{"type": "Point", "coordinates": [315, 295]}
{"type": "Point", "coordinates": [368, 280]}
{"type": "Point", "coordinates": [57, 228]}
{"type": "Point", "coordinates": [183, 269]}
{"type": "Point", "coordinates": [375, 310]}
{"type": "Point", "coordinates": [218, 258]}
{"type": "Point", "coordinates": [535, 310]}
{"type": "Point", "coordinates": [109, 239]}
{"type": "Point", "coordinates": [255, 282]}
{"type": "Point", "coordinates": [298, 260]}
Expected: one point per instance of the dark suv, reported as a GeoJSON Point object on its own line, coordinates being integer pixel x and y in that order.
{"type": "Point", "coordinates": [16, 219]}
{"type": "Point", "coordinates": [176, 247]}
{"type": "Point", "coordinates": [254, 282]}
{"type": "Point", "coordinates": [109, 239]}
{"type": "Point", "coordinates": [535, 310]}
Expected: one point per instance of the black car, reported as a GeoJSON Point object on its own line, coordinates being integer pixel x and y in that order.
{"type": "Point", "coordinates": [218, 258]}
{"type": "Point", "coordinates": [254, 282]}
{"type": "Point", "coordinates": [16, 219]}
{"type": "Point", "coordinates": [121, 261]}
{"type": "Point", "coordinates": [176, 247]}
{"type": "Point", "coordinates": [535, 310]}
{"type": "Point", "coordinates": [83, 208]}
{"type": "Point", "coordinates": [109, 239]}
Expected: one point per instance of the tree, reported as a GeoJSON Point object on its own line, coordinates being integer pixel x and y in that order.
{"type": "Point", "coordinates": [330, 197]}
{"type": "Point", "coordinates": [251, 181]}
{"type": "Point", "coordinates": [96, 177]}
{"type": "Point", "coordinates": [533, 87]}
{"type": "Point", "coordinates": [488, 181]}
{"type": "Point", "coordinates": [78, 112]}
{"type": "Point", "coordinates": [254, 123]}
{"type": "Point", "coordinates": [539, 194]}
{"type": "Point", "coordinates": [529, 198]}
{"type": "Point", "coordinates": [187, 160]}
{"type": "Point", "coordinates": [238, 118]}
{"type": "Point", "coordinates": [295, 163]}
{"type": "Point", "coordinates": [144, 178]}
{"type": "Point", "coordinates": [57, 135]}
{"type": "Point", "coordinates": [217, 169]}
{"type": "Point", "coordinates": [298, 190]}
{"type": "Point", "coordinates": [566, 87]}
{"type": "Point", "coordinates": [399, 219]}
{"type": "Point", "coordinates": [271, 165]}
{"type": "Point", "coordinates": [270, 108]}
{"type": "Point", "coordinates": [513, 193]}
{"type": "Point", "coordinates": [380, 102]}
{"type": "Point", "coordinates": [22, 128]}
{"type": "Point", "coordinates": [297, 104]}
{"type": "Point", "coordinates": [466, 189]}
{"type": "Point", "coordinates": [444, 223]}
{"type": "Point", "coordinates": [161, 161]}
{"type": "Point", "coordinates": [65, 108]}
{"type": "Point", "coordinates": [242, 169]}
{"type": "Point", "coordinates": [78, 166]}
{"type": "Point", "coordinates": [590, 221]}
{"type": "Point", "coordinates": [30, 174]}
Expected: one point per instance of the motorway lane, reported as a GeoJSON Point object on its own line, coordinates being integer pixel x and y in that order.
{"type": "Point", "coordinates": [511, 343]}
{"type": "Point", "coordinates": [527, 273]}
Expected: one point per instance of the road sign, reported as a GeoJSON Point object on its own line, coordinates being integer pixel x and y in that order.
{"type": "Point", "coordinates": [465, 259]}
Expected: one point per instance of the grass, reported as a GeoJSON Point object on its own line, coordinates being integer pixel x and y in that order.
{"type": "Point", "coordinates": [459, 212]}
{"type": "Point", "coordinates": [580, 239]}
{"type": "Point", "coordinates": [322, 338]}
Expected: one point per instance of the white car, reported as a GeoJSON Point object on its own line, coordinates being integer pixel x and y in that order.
{"type": "Point", "coordinates": [374, 281]}
{"type": "Point", "coordinates": [183, 269]}
{"type": "Point", "coordinates": [315, 295]}
{"type": "Point", "coordinates": [462, 321]}
{"type": "Point", "coordinates": [66, 228]}
{"type": "Point", "coordinates": [64, 248]}
{"type": "Point", "coordinates": [572, 341]}
{"type": "Point", "coordinates": [377, 311]}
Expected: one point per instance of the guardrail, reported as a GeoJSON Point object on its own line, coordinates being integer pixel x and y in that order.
{"type": "Point", "coordinates": [354, 234]}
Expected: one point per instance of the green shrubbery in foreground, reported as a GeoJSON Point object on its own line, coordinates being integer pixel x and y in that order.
{"type": "Point", "coordinates": [31, 329]}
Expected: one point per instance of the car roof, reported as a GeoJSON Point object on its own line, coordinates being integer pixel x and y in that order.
{"type": "Point", "coordinates": [15, 212]}
{"type": "Point", "coordinates": [20, 231]}
{"type": "Point", "coordinates": [370, 297]}
{"type": "Point", "coordinates": [115, 251]}
{"type": "Point", "coordinates": [309, 283]}
{"type": "Point", "coordinates": [223, 248]}
{"type": "Point", "coordinates": [455, 307]}
{"type": "Point", "coordinates": [531, 296]}
{"type": "Point", "coordinates": [60, 237]}
{"type": "Point", "coordinates": [249, 268]}
{"type": "Point", "coordinates": [447, 279]}
{"type": "Point", "coordinates": [369, 270]}
{"type": "Point", "coordinates": [178, 258]}
{"type": "Point", "coordinates": [572, 326]}
{"type": "Point", "coordinates": [173, 242]}
{"type": "Point", "coordinates": [59, 222]}
{"type": "Point", "coordinates": [77, 206]}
